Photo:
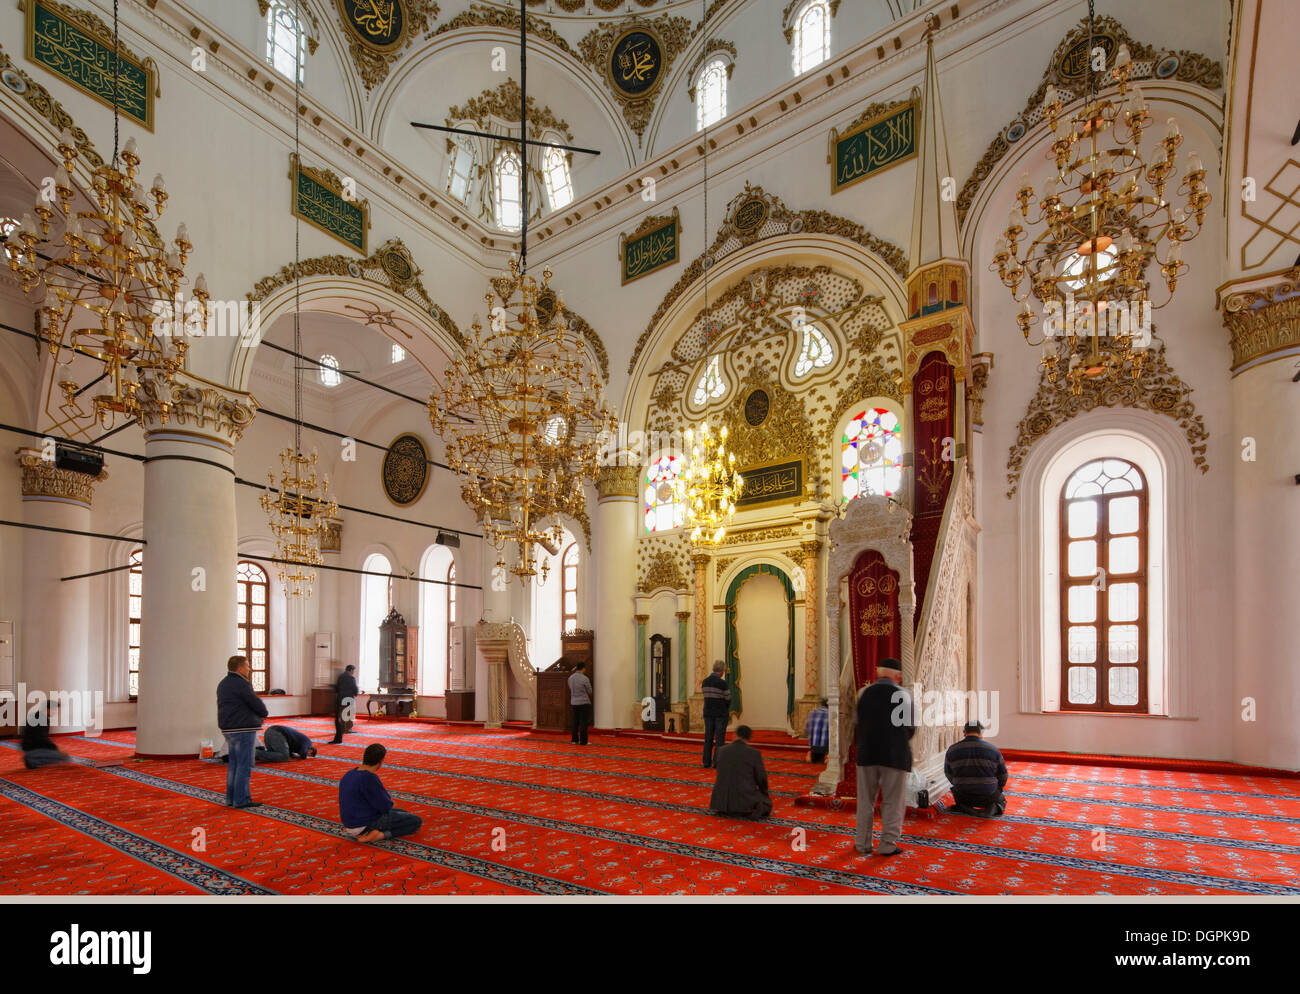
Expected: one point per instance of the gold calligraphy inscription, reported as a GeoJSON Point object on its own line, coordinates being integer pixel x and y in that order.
{"type": "Point", "coordinates": [58, 45]}
{"type": "Point", "coordinates": [876, 620]}
{"type": "Point", "coordinates": [780, 483]}
{"type": "Point", "coordinates": [327, 209]}
{"type": "Point", "coordinates": [876, 145]}
{"type": "Point", "coordinates": [652, 246]}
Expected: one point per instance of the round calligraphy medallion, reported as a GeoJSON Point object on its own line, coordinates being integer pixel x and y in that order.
{"type": "Point", "coordinates": [1074, 64]}
{"type": "Point", "coordinates": [380, 25]}
{"type": "Point", "coordinates": [750, 215]}
{"type": "Point", "coordinates": [397, 266]}
{"type": "Point", "coordinates": [405, 471]}
{"type": "Point", "coordinates": [545, 306]}
{"type": "Point", "coordinates": [636, 63]}
{"type": "Point", "coordinates": [757, 404]}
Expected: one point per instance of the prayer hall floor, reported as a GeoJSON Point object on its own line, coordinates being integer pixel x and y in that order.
{"type": "Point", "coordinates": [514, 813]}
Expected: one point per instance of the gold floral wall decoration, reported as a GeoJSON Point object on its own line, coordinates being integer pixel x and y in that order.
{"type": "Point", "coordinates": [379, 31]}
{"type": "Point", "coordinates": [482, 16]}
{"type": "Point", "coordinates": [664, 560]}
{"type": "Point", "coordinates": [1159, 390]}
{"type": "Point", "coordinates": [390, 265]}
{"type": "Point", "coordinates": [664, 569]}
{"type": "Point", "coordinates": [503, 103]}
{"type": "Point", "coordinates": [777, 220]}
{"type": "Point", "coordinates": [1064, 72]}
{"type": "Point", "coordinates": [634, 57]}
{"type": "Point", "coordinates": [38, 98]}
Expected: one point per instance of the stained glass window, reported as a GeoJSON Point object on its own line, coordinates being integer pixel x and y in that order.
{"type": "Point", "coordinates": [871, 454]}
{"type": "Point", "coordinates": [559, 185]}
{"type": "Point", "coordinates": [1103, 588]}
{"type": "Point", "coordinates": [812, 36]}
{"type": "Point", "coordinates": [664, 506]}
{"type": "Point", "coordinates": [711, 94]}
{"type": "Point", "coordinates": [135, 602]}
{"type": "Point", "coordinates": [712, 384]}
{"type": "Point", "coordinates": [252, 608]}
{"type": "Point", "coordinates": [815, 350]}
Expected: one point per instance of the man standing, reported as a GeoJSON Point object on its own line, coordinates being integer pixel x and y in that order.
{"type": "Point", "coordinates": [365, 806]}
{"type": "Point", "coordinates": [239, 715]}
{"type": "Point", "coordinates": [345, 703]}
{"type": "Point", "coordinates": [818, 730]}
{"type": "Point", "coordinates": [580, 702]}
{"type": "Point", "coordinates": [716, 698]}
{"type": "Point", "coordinates": [283, 743]}
{"type": "Point", "coordinates": [741, 787]}
{"type": "Point", "coordinates": [885, 730]}
{"type": "Point", "coordinates": [978, 774]}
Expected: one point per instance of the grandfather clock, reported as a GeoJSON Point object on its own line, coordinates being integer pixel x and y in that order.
{"type": "Point", "coordinates": [660, 680]}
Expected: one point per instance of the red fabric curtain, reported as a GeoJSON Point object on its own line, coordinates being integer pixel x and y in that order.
{"type": "Point", "coordinates": [874, 634]}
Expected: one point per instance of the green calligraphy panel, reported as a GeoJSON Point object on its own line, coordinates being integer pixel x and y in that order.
{"type": "Point", "coordinates": [650, 250]}
{"type": "Point", "coordinates": [876, 145]}
{"type": "Point", "coordinates": [323, 206]}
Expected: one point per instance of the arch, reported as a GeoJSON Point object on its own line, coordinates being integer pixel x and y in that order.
{"type": "Point", "coordinates": [375, 600]}
{"type": "Point", "coordinates": [437, 563]}
{"type": "Point", "coordinates": [731, 658]}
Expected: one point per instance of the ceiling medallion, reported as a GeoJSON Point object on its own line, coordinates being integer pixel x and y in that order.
{"type": "Point", "coordinates": [749, 216]}
{"type": "Point", "coordinates": [757, 404]}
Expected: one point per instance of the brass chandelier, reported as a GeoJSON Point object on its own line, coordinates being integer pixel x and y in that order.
{"type": "Point", "coordinates": [110, 282]}
{"type": "Point", "coordinates": [710, 485]}
{"type": "Point", "coordinates": [520, 415]}
{"type": "Point", "coordinates": [1103, 218]}
{"type": "Point", "coordinates": [299, 509]}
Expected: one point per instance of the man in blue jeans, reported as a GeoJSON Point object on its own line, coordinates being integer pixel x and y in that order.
{"type": "Point", "coordinates": [365, 807]}
{"type": "Point", "coordinates": [239, 715]}
{"type": "Point", "coordinates": [716, 698]}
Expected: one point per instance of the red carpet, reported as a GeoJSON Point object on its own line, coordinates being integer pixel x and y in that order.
{"type": "Point", "coordinates": [511, 812]}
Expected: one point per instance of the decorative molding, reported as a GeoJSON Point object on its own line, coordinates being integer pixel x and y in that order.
{"type": "Point", "coordinates": [779, 221]}
{"type": "Point", "coordinates": [578, 324]}
{"type": "Point", "coordinates": [664, 569]}
{"type": "Point", "coordinates": [786, 434]}
{"type": "Point", "coordinates": [482, 16]}
{"type": "Point", "coordinates": [38, 98]}
{"type": "Point", "coordinates": [1148, 62]}
{"type": "Point", "coordinates": [712, 47]}
{"type": "Point", "coordinates": [41, 479]}
{"type": "Point", "coordinates": [981, 365]}
{"type": "Point", "coordinates": [787, 17]}
{"type": "Point", "coordinates": [671, 35]}
{"type": "Point", "coordinates": [213, 409]}
{"type": "Point", "coordinates": [503, 103]}
{"type": "Point", "coordinates": [373, 53]}
{"type": "Point", "coordinates": [1159, 390]}
{"type": "Point", "coordinates": [1262, 317]}
{"type": "Point", "coordinates": [390, 265]}
{"type": "Point", "coordinates": [618, 481]}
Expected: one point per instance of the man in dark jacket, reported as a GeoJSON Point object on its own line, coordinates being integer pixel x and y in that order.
{"type": "Point", "coordinates": [365, 806]}
{"type": "Point", "coordinates": [239, 715]}
{"type": "Point", "coordinates": [38, 748]}
{"type": "Point", "coordinates": [716, 698]}
{"type": "Point", "coordinates": [282, 744]}
{"type": "Point", "coordinates": [885, 729]}
{"type": "Point", "coordinates": [978, 774]}
{"type": "Point", "coordinates": [345, 703]}
{"type": "Point", "coordinates": [741, 787]}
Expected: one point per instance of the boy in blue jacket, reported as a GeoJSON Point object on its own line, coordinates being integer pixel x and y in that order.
{"type": "Point", "coordinates": [365, 807]}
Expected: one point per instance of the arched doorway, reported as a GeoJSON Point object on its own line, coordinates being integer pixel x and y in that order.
{"type": "Point", "coordinates": [760, 662]}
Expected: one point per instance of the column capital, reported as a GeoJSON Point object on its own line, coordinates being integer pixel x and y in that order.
{"type": "Point", "coordinates": [641, 619]}
{"type": "Point", "coordinates": [42, 480]}
{"type": "Point", "coordinates": [1262, 315]}
{"type": "Point", "coordinates": [683, 615]}
{"type": "Point", "coordinates": [197, 405]}
{"type": "Point", "coordinates": [700, 560]}
{"type": "Point", "coordinates": [617, 481]}
{"type": "Point", "coordinates": [810, 548]}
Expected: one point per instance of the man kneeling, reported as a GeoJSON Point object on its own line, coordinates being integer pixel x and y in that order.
{"type": "Point", "coordinates": [282, 744]}
{"type": "Point", "coordinates": [977, 772]}
{"type": "Point", "coordinates": [741, 787]}
{"type": "Point", "coordinates": [365, 807]}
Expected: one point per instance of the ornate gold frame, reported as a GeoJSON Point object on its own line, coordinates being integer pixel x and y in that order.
{"type": "Point", "coordinates": [331, 182]}
{"type": "Point", "coordinates": [892, 110]}
{"type": "Point", "coordinates": [653, 223]}
{"type": "Point", "coordinates": [359, 37]}
{"type": "Point", "coordinates": [428, 470]}
{"type": "Point", "coordinates": [664, 60]}
{"type": "Point", "coordinates": [802, 460]}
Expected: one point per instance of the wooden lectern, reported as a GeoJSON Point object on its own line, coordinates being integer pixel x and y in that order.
{"type": "Point", "coordinates": [553, 713]}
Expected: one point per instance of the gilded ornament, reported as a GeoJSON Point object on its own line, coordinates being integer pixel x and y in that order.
{"type": "Point", "coordinates": [405, 469]}
{"type": "Point", "coordinates": [379, 30]}
{"type": "Point", "coordinates": [634, 56]}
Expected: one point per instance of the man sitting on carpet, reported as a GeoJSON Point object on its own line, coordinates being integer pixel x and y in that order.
{"type": "Point", "coordinates": [977, 772]}
{"type": "Point", "coordinates": [38, 748]}
{"type": "Point", "coordinates": [741, 788]}
{"type": "Point", "coordinates": [365, 807]}
{"type": "Point", "coordinates": [282, 744]}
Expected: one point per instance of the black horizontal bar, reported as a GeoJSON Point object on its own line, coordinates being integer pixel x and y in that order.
{"type": "Point", "coordinates": [503, 138]}
{"type": "Point", "coordinates": [98, 572]}
{"type": "Point", "coordinates": [362, 572]}
{"type": "Point", "coordinates": [71, 531]}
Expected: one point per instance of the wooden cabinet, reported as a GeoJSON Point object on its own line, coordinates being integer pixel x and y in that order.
{"type": "Point", "coordinates": [322, 700]}
{"type": "Point", "coordinates": [396, 666]}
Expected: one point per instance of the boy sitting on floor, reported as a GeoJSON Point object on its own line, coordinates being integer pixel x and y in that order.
{"type": "Point", "coordinates": [365, 807]}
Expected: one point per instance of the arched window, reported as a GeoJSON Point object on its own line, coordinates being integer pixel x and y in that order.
{"type": "Point", "coordinates": [252, 609]}
{"type": "Point", "coordinates": [559, 185]}
{"type": "Point", "coordinates": [548, 600]}
{"type": "Point", "coordinates": [871, 454]}
{"type": "Point", "coordinates": [286, 42]}
{"type": "Point", "coordinates": [329, 371]}
{"type": "Point", "coordinates": [437, 617]}
{"type": "Point", "coordinates": [398, 353]}
{"type": "Point", "coordinates": [507, 191]}
{"type": "Point", "coordinates": [1103, 535]}
{"type": "Point", "coordinates": [712, 384]}
{"type": "Point", "coordinates": [451, 618]}
{"type": "Point", "coordinates": [815, 350]}
{"type": "Point", "coordinates": [711, 94]}
{"type": "Point", "coordinates": [812, 36]}
{"type": "Point", "coordinates": [376, 602]}
{"type": "Point", "coordinates": [135, 604]}
{"type": "Point", "coordinates": [569, 587]}
{"type": "Point", "coordinates": [459, 170]}
{"type": "Point", "coordinates": [664, 506]}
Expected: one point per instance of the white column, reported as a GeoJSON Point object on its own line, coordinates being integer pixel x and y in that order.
{"type": "Point", "coordinates": [615, 554]}
{"type": "Point", "coordinates": [53, 648]}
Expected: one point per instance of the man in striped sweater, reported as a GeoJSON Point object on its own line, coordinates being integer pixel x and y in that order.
{"type": "Point", "coordinates": [978, 774]}
{"type": "Point", "coordinates": [717, 697]}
